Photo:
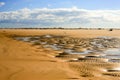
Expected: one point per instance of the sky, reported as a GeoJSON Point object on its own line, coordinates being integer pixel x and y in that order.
{"type": "Point", "coordinates": [60, 13]}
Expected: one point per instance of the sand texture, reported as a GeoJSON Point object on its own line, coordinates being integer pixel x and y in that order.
{"type": "Point", "coordinates": [39, 59]}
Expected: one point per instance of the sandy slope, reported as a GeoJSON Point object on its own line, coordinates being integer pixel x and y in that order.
{"type": "Point", "coordinates": [22, 61]}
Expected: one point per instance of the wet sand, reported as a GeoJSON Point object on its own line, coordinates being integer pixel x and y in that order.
{"type": "Point", "coordinates": [21, 60]}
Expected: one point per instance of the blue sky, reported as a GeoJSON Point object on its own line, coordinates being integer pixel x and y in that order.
{"type": "Point", "coordinates": [52, 13]}
{"type": "Point", "coordinates": [84, 4]}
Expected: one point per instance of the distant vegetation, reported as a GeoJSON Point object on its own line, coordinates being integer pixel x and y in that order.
{"type": "Point", "coordinates": [109, 29]}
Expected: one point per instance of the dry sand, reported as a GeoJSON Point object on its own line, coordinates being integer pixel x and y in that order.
{"type": "Point", "coordinates": [23, 61]}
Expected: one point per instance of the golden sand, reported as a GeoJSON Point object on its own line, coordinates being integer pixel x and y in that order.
{"type": "Point", "coordinates": [22, 61]}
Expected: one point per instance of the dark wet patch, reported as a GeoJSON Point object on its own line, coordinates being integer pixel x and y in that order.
{"type": "Point", "coordinates": [113, 70]}
{"type": "Point", "coordinates": [87, 75]}
{"type": "Point", "coordinates": [92, 56]}
{"type": "Point", "coordinates": [72, 78]}
{"type": "Point", "coordinates": [112, 74]}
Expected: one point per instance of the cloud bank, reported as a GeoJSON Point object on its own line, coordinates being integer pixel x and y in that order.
{"type": "Point", "coordinates": [61, 17]}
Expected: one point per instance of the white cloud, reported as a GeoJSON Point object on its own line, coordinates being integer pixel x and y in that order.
{"type": "Point", "coordinates": [49, 5]}
{"type": "Point", "coordinates": [72, 17]}
{"type": "Point", "coordinates": [2, 4]}
{"type": "Point", "coordinates": [74, 8]}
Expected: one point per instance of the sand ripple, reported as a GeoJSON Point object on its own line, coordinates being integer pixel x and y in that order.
{"type": "Point", "coordinates": [88, 57]}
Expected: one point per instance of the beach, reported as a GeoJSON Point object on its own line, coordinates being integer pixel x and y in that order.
{"type": "Point", "coordinates": [22, 60]}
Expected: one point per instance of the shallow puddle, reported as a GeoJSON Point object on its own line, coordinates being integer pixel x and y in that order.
{"type": "Point", "coordinates": [113, 54]}
{"type": "Point", "coordinates": [114, 51]}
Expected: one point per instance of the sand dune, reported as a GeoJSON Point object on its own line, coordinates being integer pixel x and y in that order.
{"type": "Point", "coordinates": [23, 61]}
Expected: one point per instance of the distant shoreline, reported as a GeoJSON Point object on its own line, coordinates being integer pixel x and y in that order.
{"type": "Point", "coordinates": [69, 28]}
